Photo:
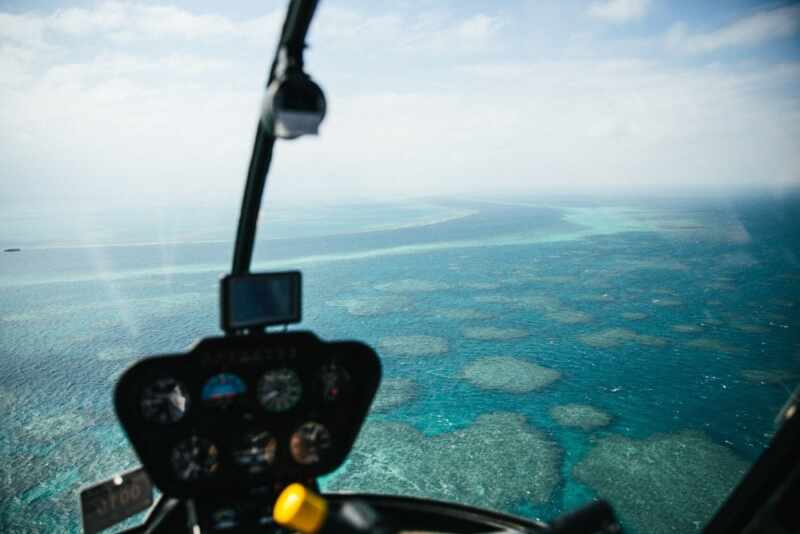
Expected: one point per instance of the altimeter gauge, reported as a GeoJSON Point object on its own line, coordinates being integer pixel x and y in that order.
{"type": "Point", "coordinates": [164, 401]}
{"type": "Point", "coordinates": [195, 458]}
{"type": "Point", "coordinates": [310, 443]}
{"type": "Point", "coordinates": [279, 390]}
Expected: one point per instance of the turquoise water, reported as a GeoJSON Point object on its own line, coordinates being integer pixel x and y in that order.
{"type": "Point", "coordinates": [536, 354]}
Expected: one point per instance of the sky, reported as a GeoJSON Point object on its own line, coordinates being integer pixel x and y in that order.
{"type": "Point", "coordinates": [133, 103]}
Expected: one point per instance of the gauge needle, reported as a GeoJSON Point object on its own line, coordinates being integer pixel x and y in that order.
{"type": "Point", "coordinates": [177, 399]}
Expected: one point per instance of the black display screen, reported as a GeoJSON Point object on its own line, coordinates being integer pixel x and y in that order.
{"type": "Point", "coordinates": [261, 299]}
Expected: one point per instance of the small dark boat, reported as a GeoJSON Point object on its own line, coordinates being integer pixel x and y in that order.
{"type": "Point", "coordinates": [12, 250]}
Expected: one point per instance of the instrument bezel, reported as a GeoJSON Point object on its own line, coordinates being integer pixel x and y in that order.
{"type": "Point", "coordinates": [249, 357]}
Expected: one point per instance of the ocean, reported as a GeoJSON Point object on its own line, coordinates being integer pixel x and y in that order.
{"type": "Point", "coordinates": [537, 353]}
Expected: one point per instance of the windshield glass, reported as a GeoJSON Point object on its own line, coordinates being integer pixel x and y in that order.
{"type": "Point", "coordinates": [569, 230]}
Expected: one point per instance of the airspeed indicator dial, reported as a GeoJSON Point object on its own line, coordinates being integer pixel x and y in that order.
{"type": "Point", "coordinates": [279, 390]}
{"type": "Point", "coordinates": [164, 401]}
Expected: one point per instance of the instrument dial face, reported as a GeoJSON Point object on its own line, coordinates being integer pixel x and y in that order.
{"type": "Point", "coordinates": [195, 458]}
{"type": "Point", "coordinates": [310, 443]}
{"type": "Point", "coordinates": [335, 381]}
{"type": "Point", "coordinates": [279, 390]}
{"type": "Point", "coordinates": [255, 452]}
{"type": "Point", "coordinates": [225, 519]}
{"type": "Point", "coordinates": [164, 401]}
{"type": "Point", "coordinates": [223, 389]}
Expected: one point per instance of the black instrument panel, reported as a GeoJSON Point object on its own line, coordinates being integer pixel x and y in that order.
{"type": "Point", "coordinates": [237, 415]}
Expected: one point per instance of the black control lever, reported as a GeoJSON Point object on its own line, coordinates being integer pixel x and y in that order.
{"type": "Point", "coordinates": [594, 518]}
{"type": "Point", "coordinates": [309, 513]}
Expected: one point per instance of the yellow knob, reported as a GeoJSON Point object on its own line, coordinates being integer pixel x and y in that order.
{"type": "Point", "coordinates": [300, 509]}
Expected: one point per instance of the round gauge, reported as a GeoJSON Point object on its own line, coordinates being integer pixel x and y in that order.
{"type": "Point", "coordinates": [310, 443]}
{"type": "Point", "coordinates": [195, 458]}
{"type": "Point", "coordinates": [279, 390]}
{"type": "Point", "coordinates": [256, 451]}
{"type": "Point", "coordinates": [222, 389]}
{"type": "Point", "coordinates": [164, 401]}
{"type": "Point", "coordinates": [335, 381]}
{"type": "Point", "coordinates": [225, 519]}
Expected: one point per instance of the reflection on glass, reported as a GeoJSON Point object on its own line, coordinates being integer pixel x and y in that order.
{"type": "Point", "coordinates": [164, 401]}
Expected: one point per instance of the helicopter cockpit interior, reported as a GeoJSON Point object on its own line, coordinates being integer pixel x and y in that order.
{"type": "Point", "coordinates": [225, 428]}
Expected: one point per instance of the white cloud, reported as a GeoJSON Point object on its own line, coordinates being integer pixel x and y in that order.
{"type": "Point", "coordinates": [479, 28]}
{"type": "Point", "coordinates": [136, 21]}
{"type": "Point", "coordinates": [138, 120]}
{"type": "Point", "coordinates": [618, 11]}
{"type": "Point", "coordinates": [419, 33]}
{"type": "Point", "coordinates": [752, 30]}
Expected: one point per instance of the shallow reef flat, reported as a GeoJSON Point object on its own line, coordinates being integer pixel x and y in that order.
{"type": "Point", "coordinates": [662, 291]}
{"type": "Point", "coordinates": [666, 303]}
{"type": "Point", "coordinates": [494, 333]}
{"type": "Point", "coordinates": [483, 286]}
{"type": "Point", "coordinates": [552, 308]}
{"type": "Point", "coordinates": [7, 398]}
{"type": "Point", "coordinates": [20, 317]}
{"type": "Point", "coordinates": [45, 499]}
{"type": "Point", "coordinates": [662, 264]}
{"type": "Point", "coordinates": [772, 376]}
{"type": "Point", "coordinates": [545, 279]}
{"type": "Point", "coordinates": [512, 375]}
{"type": "Point", "coordinates": [116, 353]}
{"type": "Point", "coordinates": [461, 314]}
{"type": "Point", "coordinates": [686, 328]}
{"type": "Point", "coordinates": [394, 392]}
{"type": "Point", "coordinates": [737, 260]}
{"type": "Point", "coordinates": [494, 299]}
{"type": "Point", "coordinates": [782, 302]}
{"type": "Point", "coordinates": [396, 458]}
{"type": "Point", "coordinates": [537, 302]}
{"type": "Point", "coordinates": [580, 416]}
{"type": "Point", "coordinates": [416, 345]}
{"type": "Point", "coordinates": [597, 298]}
{"type": "Point", "coordinates": [566, 316]}
{"type": "Point", "coordinates": [666, 483]}
{"type": "Point", "coordinates": [412, 285]}
{"type": "Point", "coordinates": [614, 337]}
{"type": "Point", "coordinates": [49, 427]}
{"type": "Point", "coordinates": [634, 316]}
{"type": "Point", "coordinates": [373, 305]}
{"type": "Point", "coordinates": [713, 345]}
{"type": "Point", "coordinates": [750, 328]}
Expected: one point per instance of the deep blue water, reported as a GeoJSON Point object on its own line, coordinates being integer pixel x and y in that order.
{"type": "Point", "coordinates": [73, 316]}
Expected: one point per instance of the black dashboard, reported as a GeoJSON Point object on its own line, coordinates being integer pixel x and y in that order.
{"type": "Point", "coordinates": [245, 415]}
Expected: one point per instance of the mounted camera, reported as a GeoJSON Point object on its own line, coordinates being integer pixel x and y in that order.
{"type": "Point", "coordinates": [294, 104]}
